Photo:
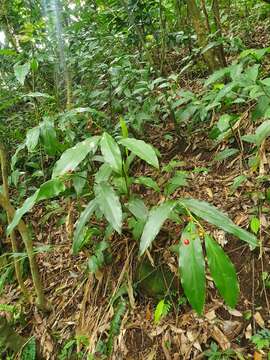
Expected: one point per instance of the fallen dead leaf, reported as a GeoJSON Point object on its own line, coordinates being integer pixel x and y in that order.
{"type": "Point", "coordinates": [257, 356]}
{"type": "Point", "coordinates": [259, 320]}
{"type": "Point", "coordinates": [248, 332]}
{"type": "Point", "coordinates": [220, 338]}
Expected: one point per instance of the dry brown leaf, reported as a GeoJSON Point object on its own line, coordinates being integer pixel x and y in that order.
{"type": "Point", "coordinates": [259, 320]}
{"type": "Point", "coordinates": [257, 356]}
{"type": "Point", "coordinates": [220, 338]}
{"type": "Point", "coordinates": [248, 332]}
{"type": "Point", "coordinates": [235, 312]}
{"type": "Point", "coordinates": [211, 315]}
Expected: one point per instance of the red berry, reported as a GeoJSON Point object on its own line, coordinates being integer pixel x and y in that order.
{"type": "Point", "coordinates": [186, 241]}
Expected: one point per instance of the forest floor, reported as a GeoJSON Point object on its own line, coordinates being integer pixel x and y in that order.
{"type": "Point", "coordinates": [81, 303]}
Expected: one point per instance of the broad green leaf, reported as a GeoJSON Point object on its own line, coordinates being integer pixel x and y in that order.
{"type": "Point", "coordinates": [192, 267]}
{"type": "Point", "coordinates": [138, 209]}
{"type": "Point", "coordinates": [222, 155]}
{"type": "Point", "coordinates": [142, 150]}
{"type": "Point", "coordinates": [148, 182]}
{"type": "Point", "coordinates": [214, 216]}
{"type": "Point", "coordinates": [217, 75]}
{"type": "Point", "coordinates": [21, 72]}
{"type": "Point", "coordinates": [255, 225]}
{"type": "Point", "coordinates": [32, 138]}
{"type": "Point", "coordinates": [80, 226]}
{"type": "Point", "coordinates": [111, 152]}
{"type": "Point", "coordinates": [47, 190]}
{"type": "Point", "coordinates": [159, 311]}
{"type": "Point", "coordinates": [223, 123]}
{"type": "Point", "coordinates": [222, 271]}
{"type": "Point", "coordinates": [174, 183]}
{"type": "Point", "coordinates": [72, 157]}
{"type": "Point", "coordinates": [103, 173]}
{"type": "Point", "coordinates": [262, 132]}
{"type": "Point", "coordinates": [109, 204]}
{"type": "Point", "coordinates": [157, 217]}
{"type": "Point", "coordinates": [49, 138]}
{"type": "Point", "coordinates": [261, 107]}
{"type": "Point", "coordinates": [79, 180]}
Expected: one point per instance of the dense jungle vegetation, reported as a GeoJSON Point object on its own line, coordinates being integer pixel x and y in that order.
{"type": "Point", "coordinates": [135, 183]}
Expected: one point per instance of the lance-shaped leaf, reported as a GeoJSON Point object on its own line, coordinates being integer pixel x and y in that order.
{"type": "Point", "coordinates": [80, 226]}
{"type": "Point", "coordinates": [157, 217]}
{"type": "Point", "coordinates": [142, 150]}
{"type": "Point", "coordinates": [138, 209]}
{"type": "Point", "coordinates": [32, 138]}
{"type": "Point", "coordinates": [109, 205]}
{"type": "Point", "coordinates": [21, 71]}
{"type": "Point", "coordinates": [72, 157]}
{"type": "Point", "coordinates": [111, 152]}
{"type": "Point", "coordinates": [216, 217]}
{"type": "Point", "coordinates": [192, 267]}
{"type": "Point", "coordinates": [47, 190]}
{"type": "Point", "coordinates": [222, 271]}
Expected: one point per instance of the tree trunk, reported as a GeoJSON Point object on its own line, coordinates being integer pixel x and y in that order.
{"type": "Point", "coordinates": [201, 31]}
{"type": "Point", "coordinates": [216, 13]}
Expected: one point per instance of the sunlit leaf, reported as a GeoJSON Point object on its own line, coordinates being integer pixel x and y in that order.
{"type": "Point", "coordinates": [192, 267]}
{"type": "Point", "coordinates": [47, 190]}
{"type": "Point", "coordinates": [156, 218]}
{"type": "Point", "coordinates": [109, 204]}
{"type": "Point", "coordinates": [80, 226]}
{"type": "Point", "coordinates": [111, 152]}
{"type": "Point", "coordinates": [142, 150]}
{"type": "Point", "coordinates": [72, 157]}
{"type": "Point", "coordinates": [222, 271]}
{"type": "Point", "coordinates": [216, 217]}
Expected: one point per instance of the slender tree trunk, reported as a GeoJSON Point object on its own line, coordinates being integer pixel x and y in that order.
{"type": "Point", "coordinates": [22, 228]}
{"type": "Point", "coordinates": [201, 31]}
{"type": "Point", "coordinates": [13, 239]}
{"type": "Point", "coordinates": [216, 13]}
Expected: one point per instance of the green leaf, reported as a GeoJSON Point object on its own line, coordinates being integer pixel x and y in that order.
{"type": "Point", "coordinates": [124, 128]}
{"type": "Point", "coordinates": [47, 190]}
{"type": "Point", "coordinates": [192, 267]}
{"type": "Point", "coordinates": [223, 123]}
{"type": "Point", "coordinates": [138, 209]}
{"type": "Point", "coordinates": [72, 157]}
{"type": "Point", "coordinates": [79, 180]}
{"type": "Point", "coordinates": [157, 217]}
{"type": "Point", "coordinates": [109, 204]}
{"type": "Point", "coordinates": [80, 226]}
{"type": "Point", "coordinates": [29, 350]}
{"type": "Point", "coordinates": [32, 138]}
{"type": "Point", "coordinates": [103, 173]}
{"type": "Point", "coordinates": [111, 152]}
{"type": "Point", "coordinates": [142, 150]}
{"type": "Point", "coordinates": [222, 271]}
{"type": "Point", "coordinates": [222, 155]}
{"type": "Point", "coordinates": [159, 311]}
{"type": "Point", "coordinates": [214, 216]}
{"type": "Point", "coordinates": [262, 132]}
{"type": "Point", "coordinates": [148, 182]}
{"type": "Point", "coordinates": [237, 182]}
{"type": "Point", "coordinates": [255, 225]}
{"type": "Point", "coordinates": [49, 138]}
{"type": "Point", "coordinates": [21, 72]}
{"type": "Point", "coordinates": [174, 183]}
